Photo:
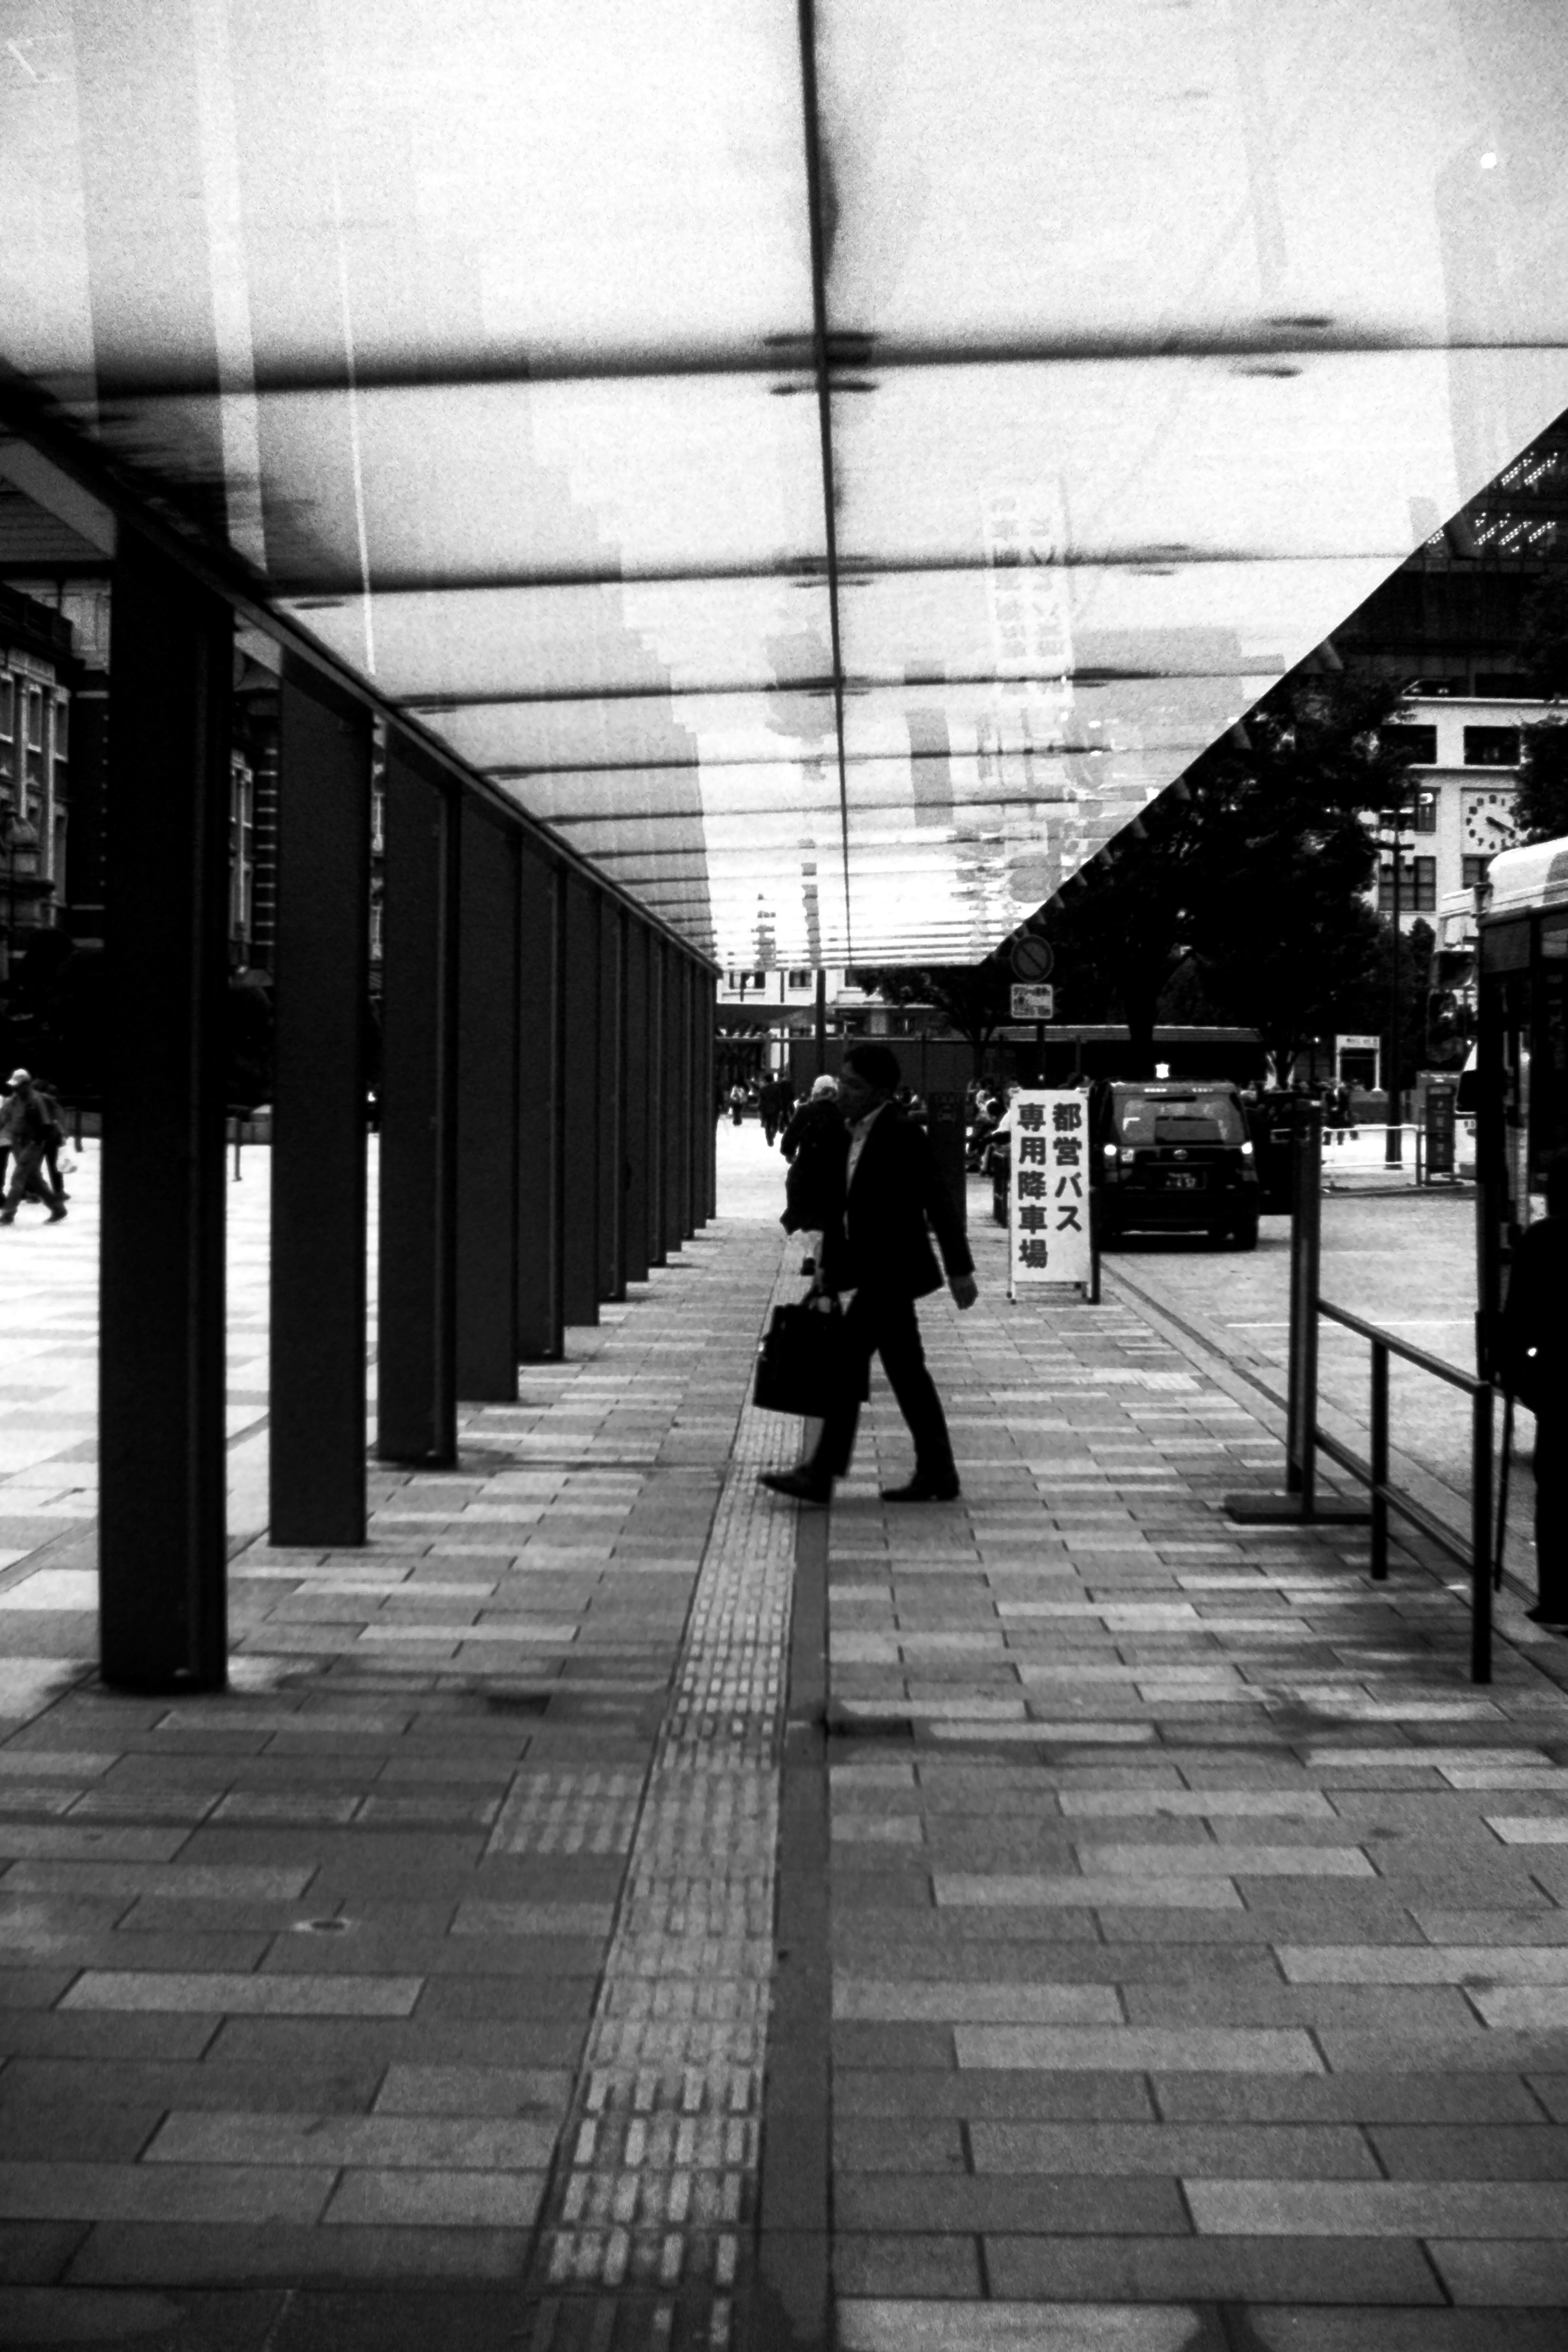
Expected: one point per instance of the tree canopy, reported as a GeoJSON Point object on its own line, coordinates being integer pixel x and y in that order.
{"type": "Point", "coordinates": [1249, 878]}
{"type": "Point", "coordinates": [973, 998]}
{"type": "Point", "coordinates": [1540, 804]}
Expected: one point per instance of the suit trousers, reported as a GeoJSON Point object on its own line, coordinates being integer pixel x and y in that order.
{"type": "Point", "coordinates": [883, 1323]}
{"type": "Point", "coordinates": [1551, 1468]}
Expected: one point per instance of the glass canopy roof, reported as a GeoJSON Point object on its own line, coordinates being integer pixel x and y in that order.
{"type": "Point", "coordinates": [835, 460]}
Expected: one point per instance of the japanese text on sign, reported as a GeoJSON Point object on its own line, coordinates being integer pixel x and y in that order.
{"type": "Point", "coordinates": [1047, 1222]}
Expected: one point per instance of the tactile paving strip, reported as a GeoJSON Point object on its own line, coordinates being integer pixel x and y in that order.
{"type": "Point", "coordinates": [643, 2237]}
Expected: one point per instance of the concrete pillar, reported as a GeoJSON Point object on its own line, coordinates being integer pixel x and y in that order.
{"type": "Point", "coordinates": [612, 1102]}
{"type": "Point", "coordinates": [417, 1409]}
{"type": "Point", "coordinates": [580, 1103]}
{"type": "Point", "coordinates": [486, 1090]}
{"type": "Point", "coordinates": [541, 1128]}
{"type": "Point", "coordinates": [316, 1460]}
{"type": "Point", "coordinates": [163, 1453]}
{"type": "Point", "coordinates": [636, 1098]}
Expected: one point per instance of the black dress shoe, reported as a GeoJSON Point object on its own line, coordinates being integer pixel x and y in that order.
{"type": "Point", "coordinates": [923, 1490]}
{"type": "Point", "coordinates": [799, 1484]}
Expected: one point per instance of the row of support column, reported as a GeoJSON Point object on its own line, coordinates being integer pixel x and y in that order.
{"type": "Point", "coordinates": [545, 1115]}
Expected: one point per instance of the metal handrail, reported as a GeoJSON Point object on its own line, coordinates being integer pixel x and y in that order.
{"type": "Point", "coordinates": [1385, 1497]}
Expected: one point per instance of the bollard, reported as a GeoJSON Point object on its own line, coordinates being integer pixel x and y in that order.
{"type": "Point", "coordinates": [1299, 1500]}
{"type": "Point", "coordinates": [1379, 1463]}
{"type": "Point", "coordinates": [1306, 1255]}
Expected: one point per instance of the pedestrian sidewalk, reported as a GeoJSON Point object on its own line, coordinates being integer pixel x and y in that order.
{"type": "Point", "coordinates": [1188, 1966]}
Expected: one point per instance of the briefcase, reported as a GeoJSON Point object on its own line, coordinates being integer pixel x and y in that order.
{"type": "Point", "coordinates": [801, 1363]}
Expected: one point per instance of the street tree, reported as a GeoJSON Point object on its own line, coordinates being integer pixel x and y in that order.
{"type": "Point", "coordinates": [975, 999]}
{"type": "Point", "coordinates": [1540, 803]}
{"type": "Point", "coordinates": [1255, 868]}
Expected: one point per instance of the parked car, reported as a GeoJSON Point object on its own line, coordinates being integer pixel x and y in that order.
{"type": "Point", "coordinates": [1175, 1156]}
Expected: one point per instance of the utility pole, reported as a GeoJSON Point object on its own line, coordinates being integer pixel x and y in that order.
{"type": "Point", "coordinates": [821, 1021]}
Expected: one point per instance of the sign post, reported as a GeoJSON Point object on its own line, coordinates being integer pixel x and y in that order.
{"type": "Point", "coordinates": [1051, 1234]}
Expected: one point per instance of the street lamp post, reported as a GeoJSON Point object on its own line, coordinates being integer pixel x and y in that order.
{"type": "Point", "coordinates": [1394, 1140]}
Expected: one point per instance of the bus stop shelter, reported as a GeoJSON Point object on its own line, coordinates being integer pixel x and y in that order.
{"type": "Point", "coordinates": [799, 473]}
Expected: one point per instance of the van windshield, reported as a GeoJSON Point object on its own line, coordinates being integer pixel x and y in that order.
{"type": "Point", "coordinates": [1179, 1119]}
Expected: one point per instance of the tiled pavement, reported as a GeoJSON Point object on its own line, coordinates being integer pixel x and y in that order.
{"type": "Point", "coordinates": [1191, 1970]}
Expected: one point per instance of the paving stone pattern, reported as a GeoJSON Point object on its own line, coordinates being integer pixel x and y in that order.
{"type": "Point", "coordinates": [1199, 1940]}
{"type": "Point", "coordinates": [1200, 1955]}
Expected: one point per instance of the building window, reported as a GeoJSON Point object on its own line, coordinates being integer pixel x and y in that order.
{"type": "Point", "coordinates": [7, 705]}
{"type": "Point", "coordinates": [1473, 871]}
{"type": "Point", "coordinates": [1417, 744]}
{"type": "Point", "coordinates": [1491, 747]}
{"type": "Point", "coordinates": [800, 979]}
{"type": "Point", "coordinates": [1417, 885]}
{"type": "Point", "coordinates": [1424, 816]}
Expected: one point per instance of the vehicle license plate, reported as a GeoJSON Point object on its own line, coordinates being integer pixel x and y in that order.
{"type": "Point", "coordinates": [1182, 1184]}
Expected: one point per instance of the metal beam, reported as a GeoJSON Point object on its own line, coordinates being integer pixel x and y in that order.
{"type": "Point", "coordinates": [316, 1459]}
{"type": "Point", "coordinates": [416, 1413]}
{"type": "Point", "coordinates": [161, 1370]}
{"type": "Point", "coordinates": [580, 1103]}
{"type": "Point", "coordinates": [487, 1109]}
{"type": "Point", "coordinates": [540, 1124]}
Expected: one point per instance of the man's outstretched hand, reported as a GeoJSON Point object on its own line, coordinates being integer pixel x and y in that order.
{"type": "Point", "coordinates": [964, 1288]}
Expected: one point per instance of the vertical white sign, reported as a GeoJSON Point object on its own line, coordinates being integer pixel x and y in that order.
{"type": "Point", "coordinates": [1048, 1213]}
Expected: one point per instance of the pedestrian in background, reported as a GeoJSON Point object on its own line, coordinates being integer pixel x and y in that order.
{"type": "Point", "coordinates": [1533, 1361]}
{"type": "Point", "coordinates": [28, 1122]}
{"type": "Point", "coordinates": [812, 1143]}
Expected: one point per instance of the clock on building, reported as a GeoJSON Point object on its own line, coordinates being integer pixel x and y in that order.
{"type": "Point", "coordinates": [1486, 819]}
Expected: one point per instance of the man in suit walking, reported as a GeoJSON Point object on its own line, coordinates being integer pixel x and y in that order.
{"type": "Point", "coordinates": [876, 1254]}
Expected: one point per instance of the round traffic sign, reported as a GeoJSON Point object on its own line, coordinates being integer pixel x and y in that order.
{"type": "Point", "coordinates": [1032, 957]}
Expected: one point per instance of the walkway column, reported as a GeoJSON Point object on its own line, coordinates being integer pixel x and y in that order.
{"type": "Point", "coordinates": [540, 942]}
{"type": "Point", "coordinates": [680, 1100]}
{"type": "Point", "coordinates": [657, 1098]}
{"type": "Point", "coordinates": [417, 1410]}
{"type": "Point", "coordinates": [635, 1096]}
{"type": "Point", "coordinates": [488, 1071]}
{"type": "Point", "coordinates": [611, 1103]}
{"type": "Point", "coordinates": [702, 1129]}
{"type": "Point", "coordinates": [317, 1388]}
{"type": "Point", "coordinates": [580, 1104]}
{"type": "Point", "coordinates": [672, 1112]}
{"type": "Point", "coordinates": [163, 1456]}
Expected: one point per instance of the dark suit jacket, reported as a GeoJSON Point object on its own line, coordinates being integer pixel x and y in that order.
{"type": "Point", "coordinates": [879, 1234]}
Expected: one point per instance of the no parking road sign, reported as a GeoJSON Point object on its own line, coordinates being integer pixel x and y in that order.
{"type": "Point", "coordinates": [1031, 957]}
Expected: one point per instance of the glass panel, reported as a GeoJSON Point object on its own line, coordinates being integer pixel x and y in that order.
{"type": "Point", "coordinates": [650, 638]}
{"type": "Point", "coordinates": [998, 172]}
{"type": "Point", "coordinates": [499, 483]}
{"type": "Point", "coordinates": [406, 191]}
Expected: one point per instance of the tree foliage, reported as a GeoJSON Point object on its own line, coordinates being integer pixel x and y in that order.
{"type": "Point", "coordinates": [1543, 640]}
{"type": "Point", "coordinates": [973, 998]}
{"type": "Point", "coordinates": [1252, 874]}
{"type": "Point", "coordinates": [1540, 803]}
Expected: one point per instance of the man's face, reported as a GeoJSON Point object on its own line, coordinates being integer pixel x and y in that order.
{"type": "Point", "coordinates": [857, 1096]}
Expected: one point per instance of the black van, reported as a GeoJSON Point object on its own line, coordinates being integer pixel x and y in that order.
{"type": "Point", "coordinates": [1175, 1156]}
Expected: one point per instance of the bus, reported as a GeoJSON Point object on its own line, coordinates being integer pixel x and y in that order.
{"type": "Point", "coordinates": [1522, 1062]}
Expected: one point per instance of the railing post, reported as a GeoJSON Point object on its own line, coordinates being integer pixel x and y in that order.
{"type": "Point", "coordinates": [1305, 1250]}
{"type": "Point", "coordinates": [1482, 1535]}
{"type": "Point", "coordinates": [1379, 1463]}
